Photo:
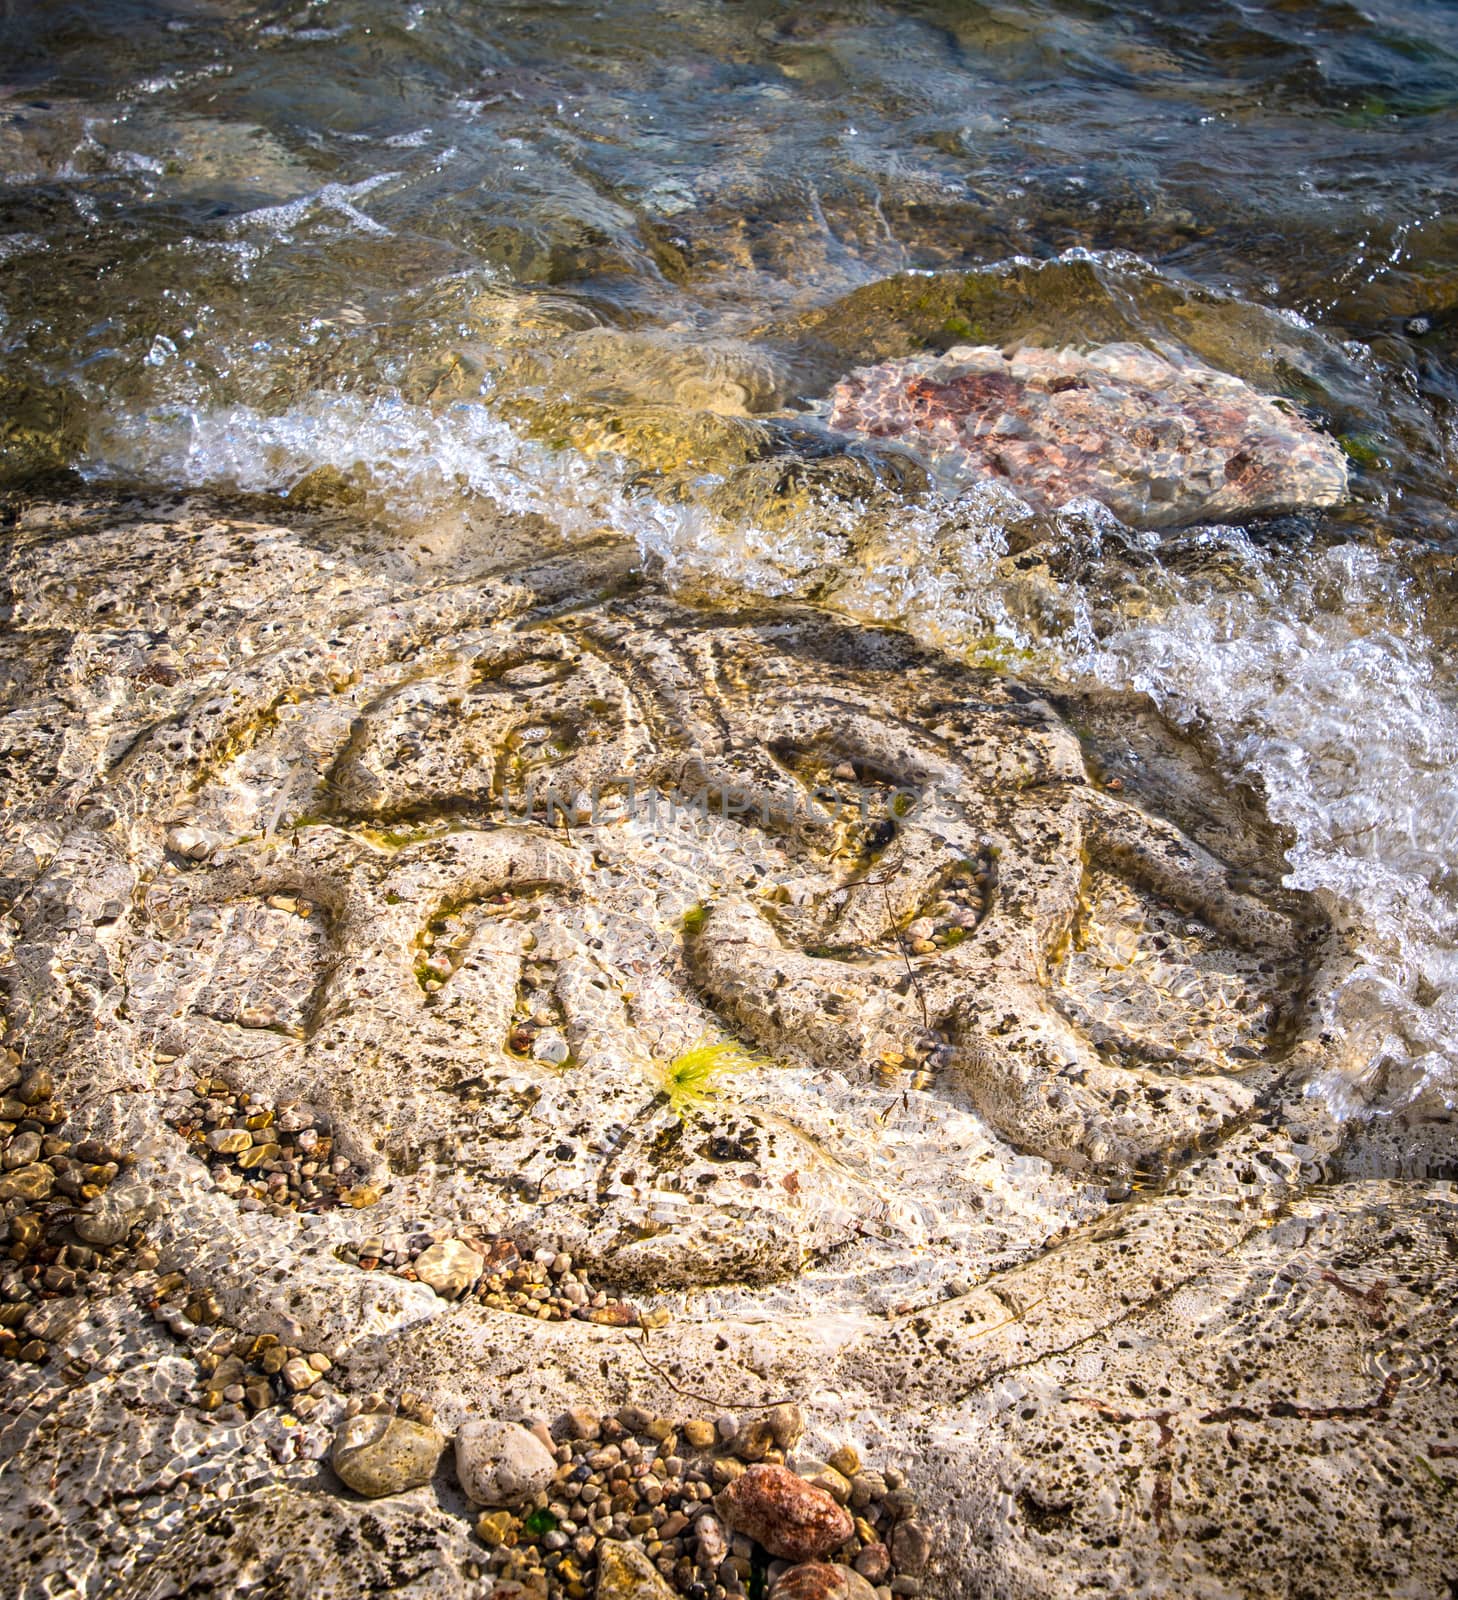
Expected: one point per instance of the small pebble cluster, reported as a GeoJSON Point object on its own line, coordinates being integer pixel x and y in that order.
{"type": "Point", "coordinates": [239, 1374]}
{"type": "Point", "coordinates": [545, 1284]}
{"type": "Point", "coordinates": [61, 1235]}
{"type": "Point", "coordinates": [712, 1506]}
{"type": "Point", "coordinates": [960, 906]}
{"type": "Point", "coordinates": [269, 1158]}
{"type": "Point", "coordinates": [538, 1022]}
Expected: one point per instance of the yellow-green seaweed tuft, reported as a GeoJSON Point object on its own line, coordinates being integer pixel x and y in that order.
{"type": "Point", "coordinates": [694, 1075]}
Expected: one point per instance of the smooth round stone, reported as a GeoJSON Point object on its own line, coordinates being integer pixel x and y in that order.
{"type": "Point", "coordinates": [786, 1424]}
{"type": "Point", "coordinates": [450, 1267]}
{"type": "Point", "coordinates": [501, 1463]}
{"type": "Point", "coordinates": [22, 1150]}
{"type": "Point", "coordinates": [376, 1454]}
{"type": "Point", "coordinates": [551, 1048]}
{"type": "Point", "coordinates": [874, 1562]}
{"type": "Point", "coordinates": [824, 1476]}
{"type": "Point", "coordinates": [33, 1182]}
{"type": "Point", "coordinates": [911, 1546]}
{"type": "Point", "coordinates": [103, 1222]}
{"type": "Point", "coordinates": [230, 1141]}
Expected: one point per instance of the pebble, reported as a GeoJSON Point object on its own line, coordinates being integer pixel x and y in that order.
{"type": "Point", "coordinates": [713, 1543]}
{"type": "Point", "coordinates": [34, 1181]}
{"type": "Point", "coordinates": [497, 1528]}
{"type": "Point", "coordinates": [103, 1222]}
{"type": "Point", "coordinates": [788, 1516]}
{"type": "Point", "coordinates": [37, 1086]}
{"type": "Point", "coordinates": [298, 1374]}
{"type": "Point", "coordinates": [819, 1580]}
{"type": "Point", "coordinates": [22, 1150]}
{"type": "Point", "coordinates": [624, 1572]}
{"type": "Point", "coordinates": [196, 844]}
{"type": "Point", "coordinates": [580, 1423]}
{"type": "Point", "coordinates": [873, 1563]}
{"type": "Point", "coordinates": [450, 1267]}
{"type": "Point", "coordinates": [754, 1440]}
{"type": "Point", "coordinates": [377, 1454]}
{"type": "Point", "coordinates": [786, 1425]}
{"type": "Point", "coordinates": [501, 1463]}
{"type": "Point", "coordinates": [550, 1047]}
{"type": "Point", "coordinates": [865, 1487]}
{"type": "Point", "coordinates": [824, 1476]}
{"type": "Point", "coordinates": [911, 1545]}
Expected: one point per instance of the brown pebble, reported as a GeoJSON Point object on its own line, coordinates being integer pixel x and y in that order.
{"type": "Point", "coordinates": [820, 1580]}
{"type": "Point", "coordinates": [874, 1562]}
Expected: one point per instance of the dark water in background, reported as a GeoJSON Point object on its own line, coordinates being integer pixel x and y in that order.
{"type": "Point", "coordinates": [431, 259]}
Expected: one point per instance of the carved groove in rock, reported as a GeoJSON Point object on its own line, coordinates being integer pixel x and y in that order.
{"type": "Point", "coordinates": [991, 994]}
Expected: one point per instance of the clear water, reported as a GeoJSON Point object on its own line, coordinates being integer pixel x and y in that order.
{"type": "Point", "coordinates": [596, 263]}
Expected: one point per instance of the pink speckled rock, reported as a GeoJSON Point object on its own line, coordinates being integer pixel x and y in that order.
{"type": "Point", "coordinates": [789, 1517]}
{"type": "Point", "coordinates": [1161, 445]}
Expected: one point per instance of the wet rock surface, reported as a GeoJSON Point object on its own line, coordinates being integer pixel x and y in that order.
{"type": "Point", "coordinates": [1018, 1192]}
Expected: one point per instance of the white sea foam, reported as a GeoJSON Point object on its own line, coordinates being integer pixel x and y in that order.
{"type": "Point", "coordinates": [1319, 683]}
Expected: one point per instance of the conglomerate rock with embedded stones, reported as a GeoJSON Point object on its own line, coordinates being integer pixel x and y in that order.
{"type": "Point", "coordinates": [436, 872]}
{"type": "Point", "coordinates": [1160, 445]}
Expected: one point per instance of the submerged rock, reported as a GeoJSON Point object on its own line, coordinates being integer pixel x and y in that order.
{"type": "Point", "coordinates": [378, 1454]}
{"type": "Point", "coordinates": [1005, 959]}
{"type": "Point", "coordinates": [1160, 445]}
{"type": "Point", "coordinates": [450, 1267]}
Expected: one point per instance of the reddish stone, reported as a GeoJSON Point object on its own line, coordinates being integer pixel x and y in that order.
{"type": "Point", "coordinates": [1159, 443]}
{"type": "Point", "coordinates": [616, 1314]}
{"type": "Point", "coordinates": [819, 1580]}
{"type": "Point", "coordinates": [792, 1519]}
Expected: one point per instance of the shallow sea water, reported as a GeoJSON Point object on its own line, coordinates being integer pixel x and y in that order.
{"type": "Point", "coordinates": [601, 264]}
